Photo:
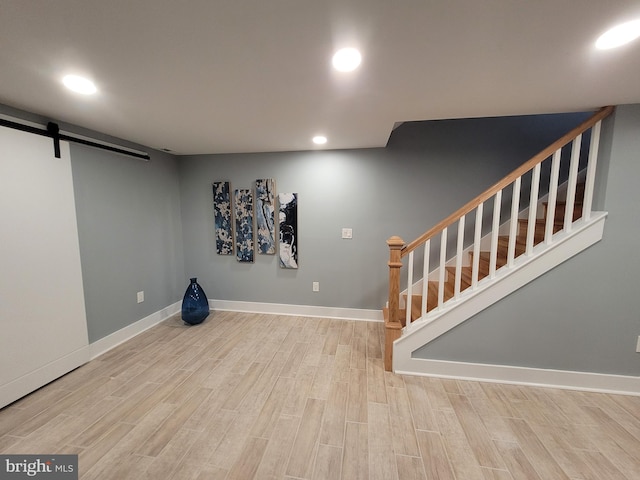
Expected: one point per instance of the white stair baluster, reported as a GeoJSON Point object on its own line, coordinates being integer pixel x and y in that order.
{"type": "Point", "coordinates": [573, 180]}
{"type": "Point", "coordinates": [409, 290]}
{"type": "Point", "coordinates": [458, 279]}
{"type": "Point", "coordinates": [494, 233]}
{"type": "Point", "coordinates": [533, 209]}
{"type": "Point", "coordinates": [591, 171]}
{"type": "Point", "coordinates": [443, 261]}
{"type": "Point", "coordinates": [553, 195]}
{"type": "Point", "coordinates": [513, 225]}
{"type": "Point", "coordinates": [476, 247]}
{"type": "Point", "coordinates": [425, 277]}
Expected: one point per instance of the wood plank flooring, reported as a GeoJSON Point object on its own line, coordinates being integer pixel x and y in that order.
{"type": "Point", "coordinates": [245, 396]}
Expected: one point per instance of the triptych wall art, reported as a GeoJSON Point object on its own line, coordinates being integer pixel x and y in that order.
{"type": "Point", "coordinates": [264, 215]}
{"type": "Point", "coordinates": [222, 212]}
{"type": "Point", "coordinates": [288, 221]}
{"type": "Point", "coordinates": [255, 223]}
{"type": "Point", "coordinates": [244, 225]}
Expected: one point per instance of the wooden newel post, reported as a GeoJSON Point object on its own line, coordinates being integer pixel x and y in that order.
{"type": "Point", "coordinates": [392, 326]}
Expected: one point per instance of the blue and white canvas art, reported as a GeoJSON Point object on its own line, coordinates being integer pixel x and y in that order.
{"type": "Point", "coordinates": [244, 225]}
{"type": "Point", "coordinates": [265, 227]}
{"type": "Point", "coordinates": [222, 218]}
{"type": "Point", "coordinates": [288, 225]}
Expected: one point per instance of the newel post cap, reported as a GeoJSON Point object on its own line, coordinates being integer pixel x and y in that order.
{"type": "Point", "coordinates": [395, 242]}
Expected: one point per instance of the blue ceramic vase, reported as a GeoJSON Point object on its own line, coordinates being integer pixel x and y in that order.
{"type": "Point", "coordinates": [195, 306]}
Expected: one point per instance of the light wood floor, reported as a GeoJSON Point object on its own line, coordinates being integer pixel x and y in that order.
{"type": "Point", "coordinates": [273, 397]}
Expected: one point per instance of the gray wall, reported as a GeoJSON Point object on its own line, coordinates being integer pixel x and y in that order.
{"type": "Point", "coordinates": [584, 314]}
{"type": "Point", "coordinates": [428, 170]}
{"type": "Point", "coordinates": [130, 235]}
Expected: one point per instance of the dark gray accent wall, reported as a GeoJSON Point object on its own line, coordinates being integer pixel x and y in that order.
{"type": "Point", "coordinates": [130, 235]}
{"type": "Point", "coordinates": [428, 170]}
{"type": "Point", "coordinates": [584, 315]}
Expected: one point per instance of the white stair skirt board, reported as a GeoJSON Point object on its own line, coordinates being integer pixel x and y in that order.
{"type": "Point", "coordinates": [533, 377]}
{"type": "Point", "coordinates": [507, 280]}
{"type": "Point", "coordinates": [105, 344]}
{"type": "Point", "coordinates": [338, 313]}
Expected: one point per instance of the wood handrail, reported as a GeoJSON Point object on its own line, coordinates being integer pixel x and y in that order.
{"type": "Point", "coordinates": [510, 178]}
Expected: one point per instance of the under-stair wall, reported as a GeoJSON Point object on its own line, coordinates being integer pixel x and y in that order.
{"type": "Point", "coordinates": [576, 326]}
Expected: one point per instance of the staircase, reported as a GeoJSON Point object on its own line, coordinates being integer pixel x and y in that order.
{"type": "Point", "coordinates": [465, 275]}
{"type": "Point", "coordinates": [484, 263]}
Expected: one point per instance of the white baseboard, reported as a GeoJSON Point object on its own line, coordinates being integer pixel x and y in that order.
{"type": "Point", "coordinates": [298, 310]}
{"type": "Point", "coordinates": [105, 344]}
{"type": "Point", "coordinates": [116, 338]}
{"type": "Point", "coordinates": [535, 377]}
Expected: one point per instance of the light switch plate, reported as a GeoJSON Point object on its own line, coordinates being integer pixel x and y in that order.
{"type": "Point", "coordinates": [347, 233]}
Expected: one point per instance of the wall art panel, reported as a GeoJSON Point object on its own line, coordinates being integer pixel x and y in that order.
{"type": "Point", "coordinates": [288, 223]}
{"type": "Point", "coordinates": [244, 225]}
{"type": "Point", "coordinates": [265, 205]}
{"type": "Point", "coordinates": [222, 218]}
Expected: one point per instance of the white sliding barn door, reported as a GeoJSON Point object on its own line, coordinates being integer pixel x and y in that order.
{"type": "Point", "coordinates": [43, 328]}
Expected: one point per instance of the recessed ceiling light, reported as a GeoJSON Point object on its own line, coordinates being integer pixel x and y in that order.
{"type": "Point", "coordinates": [319, 140]}
{"type": "Point", "coordinates": [619, 35]}
{"type": "Point", "coordinates": [79, 84]}
{"type": "Point", "coordinates": [346, 59]}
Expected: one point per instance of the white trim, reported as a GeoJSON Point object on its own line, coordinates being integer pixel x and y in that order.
{"type": "Point", "coordinates": [105, 344]}
{"type": "Point", "coordinates": [298, 310]}
{"type": "Point", "coordinates": [534, 377]}
{"type": "Point", "coordinates": [21, 386]}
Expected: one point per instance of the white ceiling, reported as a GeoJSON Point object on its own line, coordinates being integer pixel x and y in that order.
{"type": "Point", "coordinates": [219, 76]}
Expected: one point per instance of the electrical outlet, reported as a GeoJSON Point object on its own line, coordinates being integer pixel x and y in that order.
{"type": "Point", "coordinates": [638, 345]}
{"type": "Point", "coordinates": [140, 297]}
{"type": "Point", "coordinates": [347, 233]}
{"type": "Point", "coordinates": [316, 286]}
